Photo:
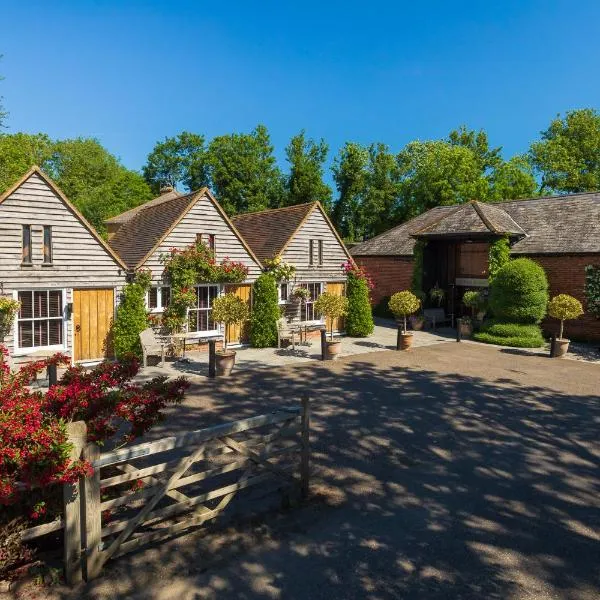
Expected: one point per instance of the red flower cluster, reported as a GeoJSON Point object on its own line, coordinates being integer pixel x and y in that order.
{"type": "Point", "coordinates": [353, 270]}
{"type": "Point", "coordinates": [35, 449]}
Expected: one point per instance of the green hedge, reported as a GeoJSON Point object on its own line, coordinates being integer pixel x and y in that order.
{"type": "Point", "coordinates": [359, 321]}
{"type": "Point", "coordinates": [265, 312]}
{"type": "Point", "coordinates": [519, 292]}
{"type": "Point", "coordinates": [131, 319]}
{"type": "Point", "coordinates": [510, 334]}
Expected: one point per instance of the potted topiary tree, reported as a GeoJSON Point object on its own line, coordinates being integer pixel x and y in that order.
{"type": "Point", "coordinates": [228, 310]}
{"type": "Point", "coordinates": [564, 308]}
{"type": "Point", "coordinates": [403, 304]}
{"type": "Point", "coordinates": [471, 299]}
{"type": "Point", "coordinates": [332, 307]}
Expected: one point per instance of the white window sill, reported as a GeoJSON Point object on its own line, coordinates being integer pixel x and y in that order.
{"type": "Point", "coordinates": [48, 349]}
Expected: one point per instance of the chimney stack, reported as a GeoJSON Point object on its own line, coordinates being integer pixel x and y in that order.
{"type": "Point", "coordinates": [166, 189]}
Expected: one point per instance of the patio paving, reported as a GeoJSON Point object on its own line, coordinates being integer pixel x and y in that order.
{"type": "Point", "coordinates": [383, 338]}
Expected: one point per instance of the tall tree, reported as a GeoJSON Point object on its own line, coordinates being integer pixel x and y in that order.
{"type": "Point", "coordinates": [477, 141]}
{"type": "Point", "coordinates": [243, 172]}
{"type": "Point", "coordinates": [512, 179]}
{"type": "Point", "coordinates": [177, 160]}
{"type": "Point", "coordinates": [568, 155]}
{"type": "Point", "coordinates": [381, 199]}
{"type": "Point", "coordinates": [437, 173]}
{"type": "Point", "coordinates": [350, 176]}
{"type": "Point", "coordinates": [19, 152]}
{"type": "Point", "coordinates": [305, 180]}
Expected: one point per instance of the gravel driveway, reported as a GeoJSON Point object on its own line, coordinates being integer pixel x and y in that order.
{"type": "Point", "coordinates": [452, 471]}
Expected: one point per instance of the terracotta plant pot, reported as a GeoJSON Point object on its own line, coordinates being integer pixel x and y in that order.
{"type": "Point", "coordinates": [417, 323]}
{"type": "Point", "coordinates": [406, 340]}
{"type": "Point", "coordinates": [466, 328]}
{"type": "Point", "coordinates": [225, 360]}
{"type": "Point", "coordinates": [561, 347]}
{"type": "Point", "coordinates": [333, 350]}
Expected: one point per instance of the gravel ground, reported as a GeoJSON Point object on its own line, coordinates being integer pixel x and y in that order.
{"type": "Point", "coordinates": [453, 471]}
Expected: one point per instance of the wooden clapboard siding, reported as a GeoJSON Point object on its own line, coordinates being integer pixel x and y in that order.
{"type": "Point", "coordinates": [79, 259]}
{"type": "Point", "coordinates": [316, 227]}
{"type": "Point", "coordinates": [339, 289]}
{"type": "Point", "coordinates": [93, 311]}
{"type": "Point", "coordinates": [203, 217]}
{"type": "Point", "coordinates": [236, 333]}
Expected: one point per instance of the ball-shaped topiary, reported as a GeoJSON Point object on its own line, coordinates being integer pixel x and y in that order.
{"type": "Point", "coordinates": [265, 312]}
{"type": "Point", "coordinates": [564, 308]}
{"type": "Point", "coordinates": [403, 304]}
{"type": "Point", "coordinates": [519, 292]}
{"type": "Point", "coordinates": [331, 306]}
{"type": "Point", "coordinates": [359, 322]}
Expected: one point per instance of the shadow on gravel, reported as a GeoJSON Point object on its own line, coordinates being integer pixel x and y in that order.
{"type": "Point", "coordinates": [445, 487]}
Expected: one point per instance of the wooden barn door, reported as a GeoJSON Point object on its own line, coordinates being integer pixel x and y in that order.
{"type": "Point", "coordinates": [339, 289]}
{"type": "Point", "coordinates": [236, 333]}
{"type": "Point", "coordinates": [93, 312]}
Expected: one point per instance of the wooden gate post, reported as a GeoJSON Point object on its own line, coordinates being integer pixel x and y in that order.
{"type": "Point", "coordinates": [93, 522]}
{"type": "Point", "coordinates": [305, 449]}
{"type": "Point", "coordinates": [72, 508]}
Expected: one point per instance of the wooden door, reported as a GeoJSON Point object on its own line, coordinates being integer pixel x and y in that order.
{"type": "Point", "coordinates": [93, 312]}
{"type": "Point", "coordinates": [236, 333]}
{"type": "Point", "coordinates": [339, 289]}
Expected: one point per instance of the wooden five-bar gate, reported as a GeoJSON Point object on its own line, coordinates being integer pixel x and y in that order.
{"type": "Point", "coordinates": [154, 490]}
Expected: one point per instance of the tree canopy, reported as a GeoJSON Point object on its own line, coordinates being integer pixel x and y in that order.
{"type": "Point", "coordinates": [567, 158]}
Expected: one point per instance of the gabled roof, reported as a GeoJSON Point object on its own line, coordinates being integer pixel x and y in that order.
{"type": "Point", "coordinates": [269, 231]}
{"type": "Point", "coordinates": [139, 236]}
{"type": "Point", "coordinates": [473, 218]}
{"type": "Point", "coordinates": [128, 215]}
{"type": "Point", "coordinates": [568, 224]}
{"type": "Point", "coordinates": [35, 170]}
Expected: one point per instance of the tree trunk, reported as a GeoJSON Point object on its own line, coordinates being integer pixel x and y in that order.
{"type": "Point", "coordinates": [404, 324]}
{"type": "Point", "coordinates": [560, 335]}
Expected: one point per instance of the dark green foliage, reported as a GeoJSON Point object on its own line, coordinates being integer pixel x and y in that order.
{"type": "Point", "coordinates": [519, 292]}
{"type": "Point", "coordinates": [592, 289]}
{"type": "Point", "coordinates": [498, 256]}
{"type": "Point", "coordinates": [359, 321]}
{"type": "Point", "coordinates": [510, 334]}
{"type": "Point", "coordinates": [265, 312]}
{"type": "Point", "coordinates": [417, 274]}
{"type": "Point", "coordinates": [514, 342]}
{"type": "Point", "coordinates": [382, 309]}
{"type": "Point", "coordinates": [131, 318]}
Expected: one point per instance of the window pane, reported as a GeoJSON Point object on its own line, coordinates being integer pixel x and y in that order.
{"type": "Point", "coordinates": [47, 244]}
{"type": "Point", "coordinates": [55, 332]}
{"type": "Point", "coordinates": [211, 242]}
{"type": "Point", "coordinates": [284, 292]}
{"type": "Point", "coordinates": [25, 334]}
{"type": "Point", "coordinates": [310, 252]}
{"type": "Point", "coordinates": [152, 297]}
{"type": "Point", "coordinates": [26, 243]}
{"type": "Point", "coordinates": [26, 300]}
{"type": "Point", "coordinates": [165, 296]}
{"type": "Point", "coordinates": [55, 303]}
{"type": "Point", "coordinates": [320, 252]}
{"type": "Point", "coordinates": [40, 304]}
{"type": "Point", "coordinates": [40, 333]}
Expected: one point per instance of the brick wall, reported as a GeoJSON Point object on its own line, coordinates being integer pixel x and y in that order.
{"type": "Point", "coordinates": [566, 275]}
{"type": "Point", "coordinates": [390, 274]}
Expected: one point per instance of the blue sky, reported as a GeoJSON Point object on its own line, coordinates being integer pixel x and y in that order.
{"type": "Point", "coordinates": [130, 73]}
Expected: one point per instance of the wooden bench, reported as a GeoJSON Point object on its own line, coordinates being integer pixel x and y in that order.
{"type": "Point", "coordinates": [437, 316]}
{"type": "Point", "coordinates": [152, 346]}
{"type": "Point", "coordinates": [285, 331]}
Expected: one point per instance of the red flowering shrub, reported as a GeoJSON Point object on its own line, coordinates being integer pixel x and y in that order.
{"type": "Point", "coordinates": [35, 449]}
{"type": "Point", "coordinates": [352, 269]}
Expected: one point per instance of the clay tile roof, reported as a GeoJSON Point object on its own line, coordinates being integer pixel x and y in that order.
{"type": "Point", "coordinates": [268, 231]}
{"type": "Point", "coordinates": [568, 224]}
{"type": "Point", "coordinates": [130, 214]}
{"type": "Point", "coordinates": [473, 218]}
{"type": "Point", "coordinates": [138, 235]}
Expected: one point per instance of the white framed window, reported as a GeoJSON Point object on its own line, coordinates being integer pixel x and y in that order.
{"type": "Point", "coordinates": [308, 308]}
{"type": "Point", "coordinates": [283, 292]}
{"type": "Point", "coordinates": [158, 298]}
{"type": "Point", "coordinates": [40, 322]}
{"type": "Point", "coordinates": [200, 316]}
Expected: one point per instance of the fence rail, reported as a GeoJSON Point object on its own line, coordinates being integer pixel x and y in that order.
{"type": "Point", "coordinates": [136, 492]}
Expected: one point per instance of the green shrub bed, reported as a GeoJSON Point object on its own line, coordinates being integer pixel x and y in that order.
{"type": "Point", "coordinates": [510, 334]}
